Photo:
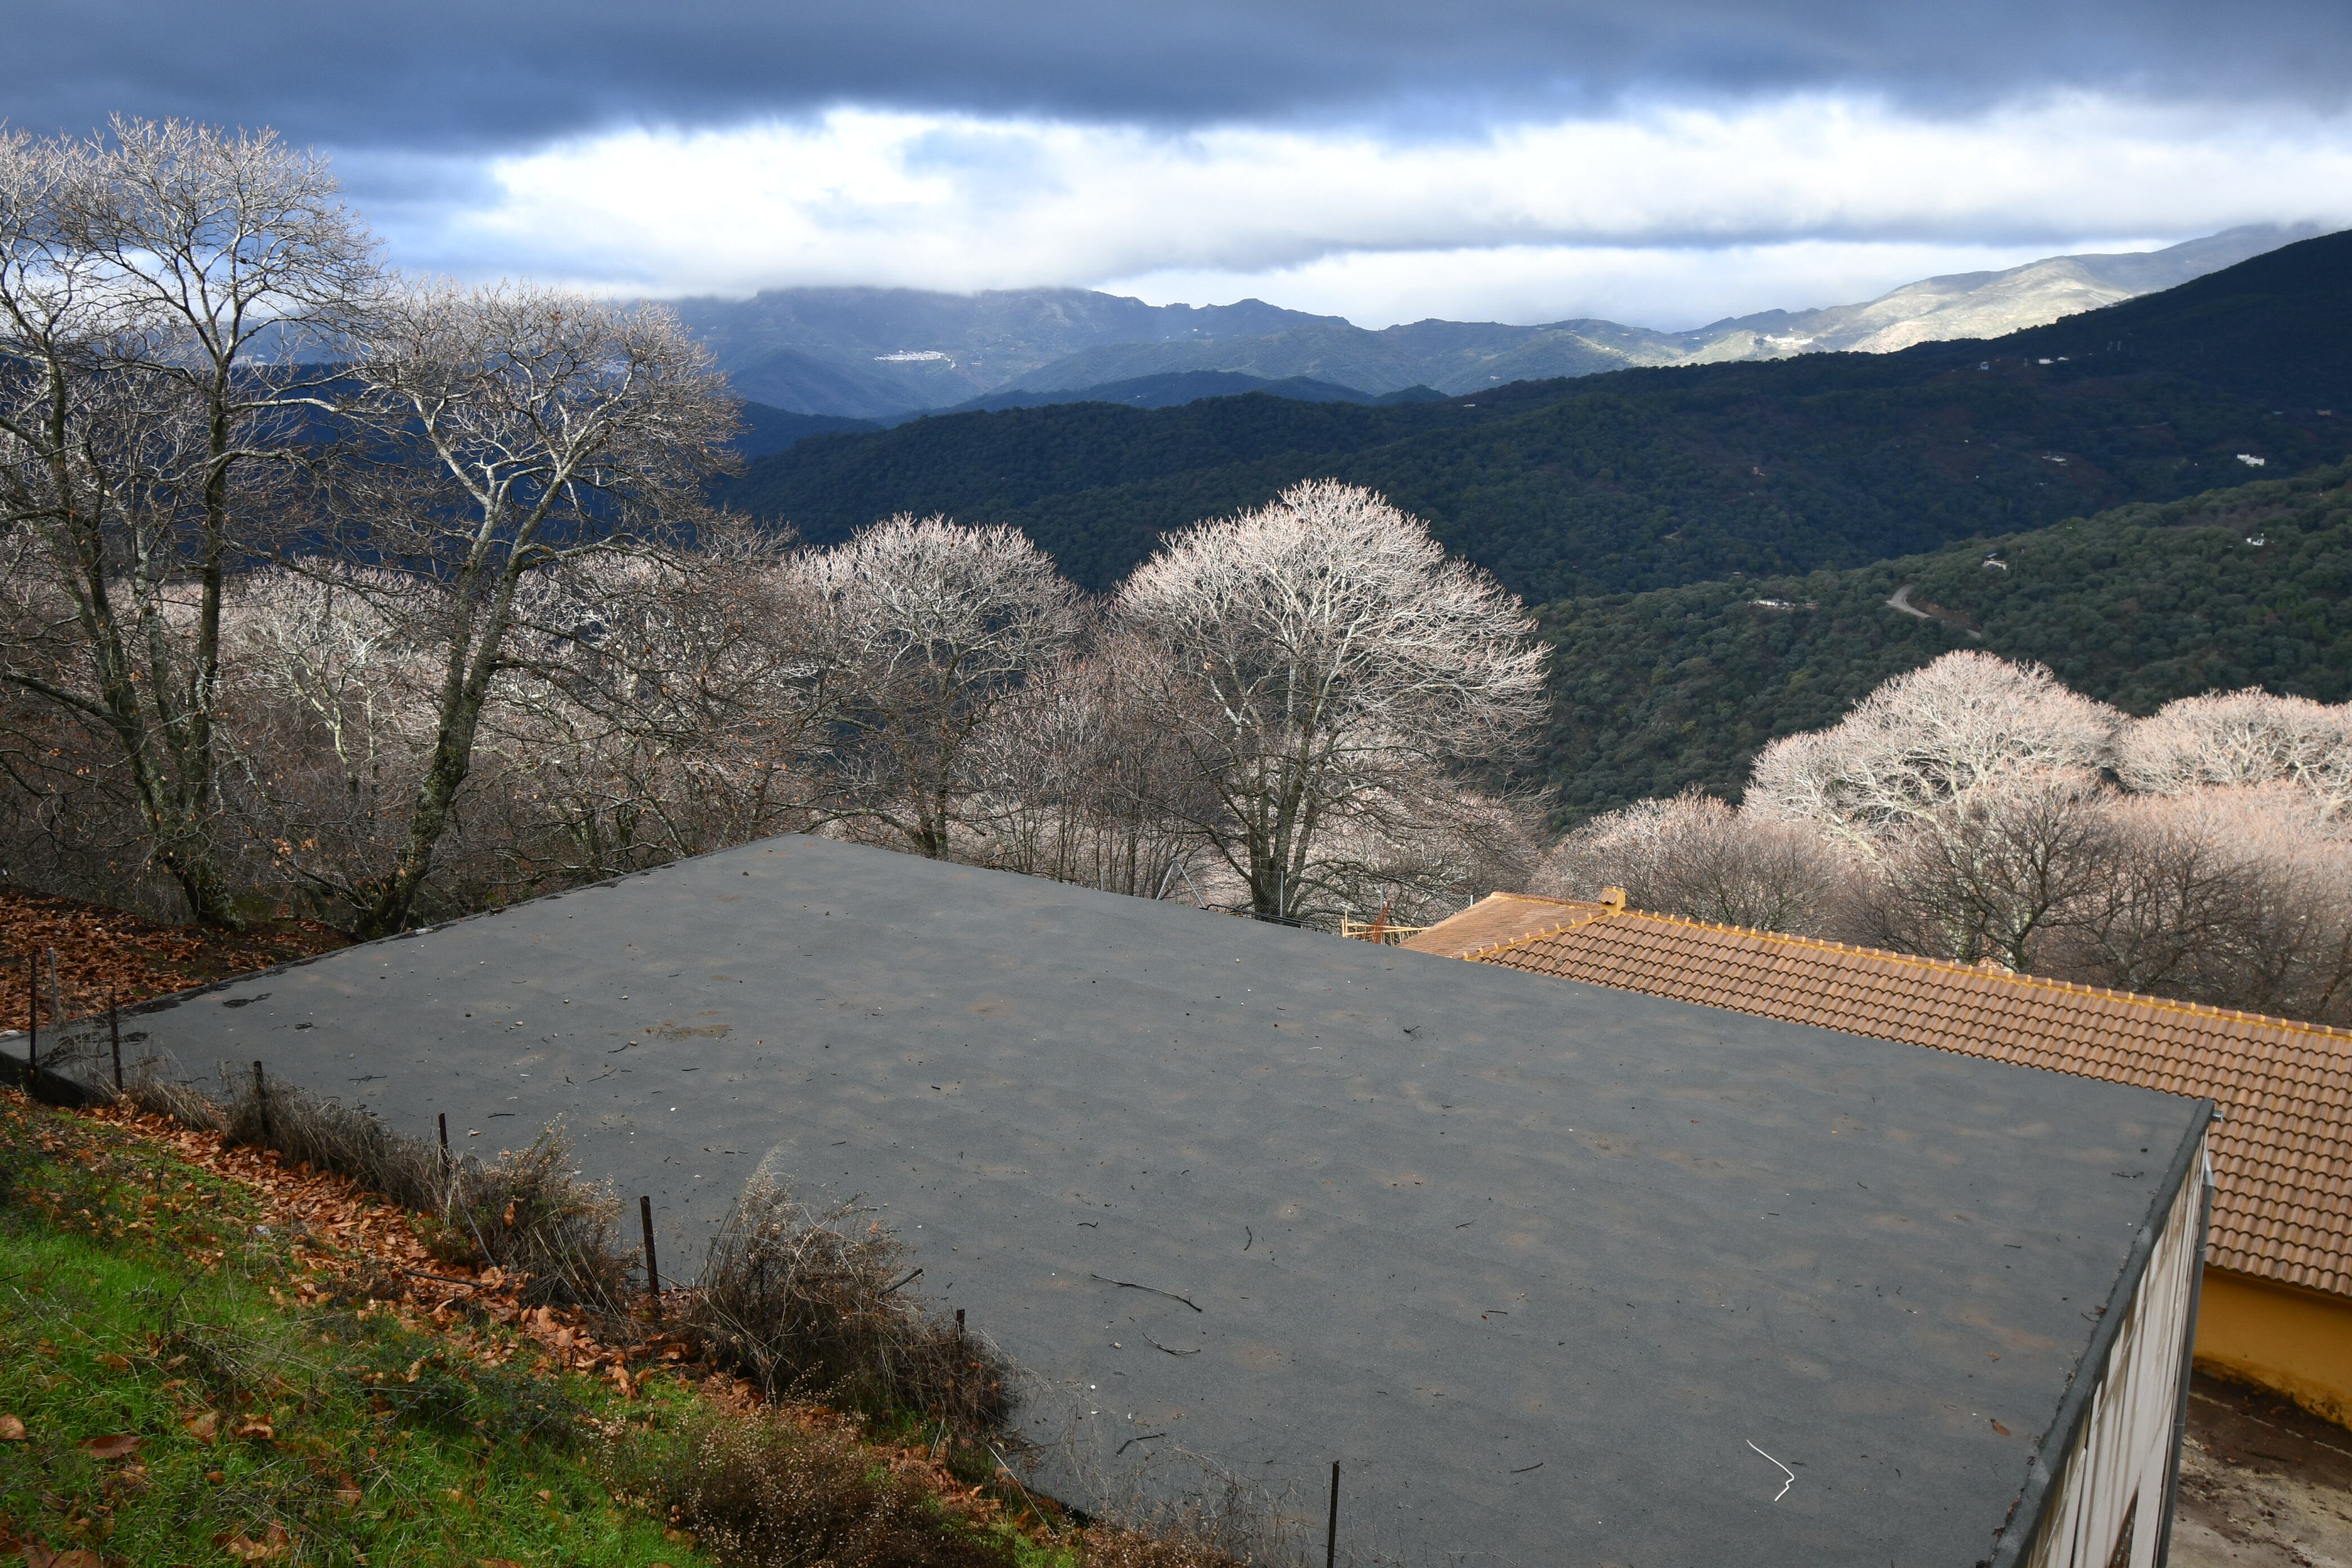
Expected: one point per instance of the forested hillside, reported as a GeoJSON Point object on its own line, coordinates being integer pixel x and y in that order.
{"type": "Point", "coordinates": [1653, 478]}
{"type": "Point", "coordinates": [2246, 587]}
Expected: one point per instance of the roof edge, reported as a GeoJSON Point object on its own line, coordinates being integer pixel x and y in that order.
{"type": "Point", "coordinates": [2042, 1481]}
{"type": "Point", "coordinates": [1946, 965]}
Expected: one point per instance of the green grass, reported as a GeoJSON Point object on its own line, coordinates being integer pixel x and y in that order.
{"type": "Point", "coordinates": [188, 1394]}
{"type": "Point", "coordinates": [134, 1298]}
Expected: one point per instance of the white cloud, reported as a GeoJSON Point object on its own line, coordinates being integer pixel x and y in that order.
{"type": "Point", "coordinates": [1664, 215]}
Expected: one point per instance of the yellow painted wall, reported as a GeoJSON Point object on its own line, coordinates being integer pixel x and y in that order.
{"type": "Point", "coordinates": [2294, 1341]}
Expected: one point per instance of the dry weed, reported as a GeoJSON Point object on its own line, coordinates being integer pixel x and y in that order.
{"type": "Point", "coordinates": [760, 1488]}
{"type": "Point", "coordinates": [810, 1301]}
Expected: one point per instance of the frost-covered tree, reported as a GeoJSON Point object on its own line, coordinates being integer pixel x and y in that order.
{"type": "Point", "coordinates": [532, 426]}
{"type": "Point", "coordinates": [1926, 742]}
{"type": "Point", "coordinates": [1701, 857]}
{"type": "Point", "coordinates": [927, 630]}
{"type": "Point", "coordinates": [157, 286]}
{"type": "Point", "coordinates": [1311, 656]}
{"type": "Point", "coordinates": [2251, 737]}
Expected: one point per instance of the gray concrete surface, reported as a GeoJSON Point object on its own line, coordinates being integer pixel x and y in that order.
{"type": "Point", "coordinates": [1560, 1273]}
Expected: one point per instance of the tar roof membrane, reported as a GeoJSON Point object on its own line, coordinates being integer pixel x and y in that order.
{"type": "Point", "coordinates": [1550, 1268]}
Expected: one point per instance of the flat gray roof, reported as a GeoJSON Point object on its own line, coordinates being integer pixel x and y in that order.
{"type": "Point", "coordinates": [1550, 1268]}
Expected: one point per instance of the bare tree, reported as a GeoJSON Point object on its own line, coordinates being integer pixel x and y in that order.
{"type": "Point", "coordinates": [2250, 737]}
{"type": "Point", "coordinates": [1998, 873]}
{"type": "Point", "coordinates": [152, 288]}
{"type": "Point", "coordinates": [930, 628]}
{"type": "Point", "coordinates": [1925, 742]}
{"type": "Point", "coordinates": [2241, 897]}
{"type": "Point", "coordinates": [327, 711]}
{"type": "Point", "coordinates": [666, 705]}
{"type": "Point", "coordinates": [1076, 784]}
{"type": "Point", "coordinates": [1429, 845]}
{"type": "Point", "coordinates": [534, 426]}
{"type": "Point", "coordinates": [1702, 859]}
{"type": "Point", "coordinates": [1312, 654]}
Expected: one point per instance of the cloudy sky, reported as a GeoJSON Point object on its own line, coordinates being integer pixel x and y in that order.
{"type": "Point", "coordinates": [1665, 163]}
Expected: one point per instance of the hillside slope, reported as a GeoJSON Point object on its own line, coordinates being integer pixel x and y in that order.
{"type": "Point", "coordinates": [1645, 479]}
{"type": "Point", "coordinates": [2245, 587]}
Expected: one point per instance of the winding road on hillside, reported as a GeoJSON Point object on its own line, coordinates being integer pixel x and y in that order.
{"type": "Point", "coordinates": [1901, 600]}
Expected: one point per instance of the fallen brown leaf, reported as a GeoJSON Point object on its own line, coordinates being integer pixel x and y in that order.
{"type": "Point", "coordinates": [273, 1543]}
{"type": "Point", "coordinates": [114, 1363]}
{"type": "Point", "coordinates": [114, 1448]}
{"type": "Point", "coordinates": [254, 1428]}
{"type": "Point", "coordinates": [349, 1495]}
{"type": "Point", "coordinates": [12, 1429]}
{"type": "Point", "coordinates": [36, 1556]}
{"type": "Point", "coordinates": [2000, 1428]}
{"type": "Point", "coordinates": [204, 1427]}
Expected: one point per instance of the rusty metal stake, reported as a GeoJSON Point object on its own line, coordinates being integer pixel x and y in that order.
{"type": "Point", "coordinates": [442, 1118]}
{"type": "Point", "coordinates": [114, 1029]}
{"type": "Point", "coordinates": [32, 1013]}
{"type": "Point", "coordinates": [653, 1275]}
{"type": "Point", "coordinates": [57, 997]}
{"type": "Point", "coordinates": [261, 1099]}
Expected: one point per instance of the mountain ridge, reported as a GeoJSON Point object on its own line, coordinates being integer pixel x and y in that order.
{"type": "Point", "coordinates": [1647, 479]}
{"type": "Point", "coordinates": [883, 354]}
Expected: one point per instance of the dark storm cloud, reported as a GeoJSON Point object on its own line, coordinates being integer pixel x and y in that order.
{"type": "Point", "coordinates": [439, 76]}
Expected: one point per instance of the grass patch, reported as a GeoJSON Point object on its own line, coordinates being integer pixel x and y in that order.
{"type": "Point", "coordinates": [174, 1410]}
{"type": "Point", "coordinates": [178, 1387]}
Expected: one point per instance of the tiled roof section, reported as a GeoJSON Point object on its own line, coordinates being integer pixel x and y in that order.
{"type": "Point", "coordinates": [1504, 917]}
{"type": "Point", "coordinates": [2281, 1155]}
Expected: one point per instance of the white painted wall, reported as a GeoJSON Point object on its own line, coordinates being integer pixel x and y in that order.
{"type": "Point", "coordinates": [2117, 1470]}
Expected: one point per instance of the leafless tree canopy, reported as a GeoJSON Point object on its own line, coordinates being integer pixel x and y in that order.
{"type": "Point", "coordinates": [143, 434]}
{"type": "Point", "coordinates": [1321, 664]}
{"type": "Point", "coordinates": [1964, 812]}
{"type": "Point", "coordinates": [1697, 857]}
{"type": "Point", "coordinates": [330, 592]}
{"type": "Point", "coordinates": [932, 629]}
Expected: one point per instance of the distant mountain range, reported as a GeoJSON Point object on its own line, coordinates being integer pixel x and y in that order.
{"type": "Point", "coordinates": [883, 354]}
{"type": "Point", "coordinates": [1651, 478]}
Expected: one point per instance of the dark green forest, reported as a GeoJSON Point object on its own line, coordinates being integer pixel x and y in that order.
{"type": "Point", "coordinates": [1637, 480]}
{"type": "Point", "coordinates": [1653, 478]}
{"type": "Point", "coordinates": [2246, 587]}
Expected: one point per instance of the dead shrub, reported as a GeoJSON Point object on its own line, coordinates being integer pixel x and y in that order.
{"type": "Point", "coordinates": [151, 1092]}
{"type": "Point", "coordinates": [758, 1488]}
{"type": "Point", "coordinates": [531, 1214]}
{"type": "Point", "coordinates": [1117, 1546]}
{"type": "Point", "coordinates": [330, 1136]}
{"type": "Point", "coordinates": [812, 1302]}
{"type": "Point", "coordinates": [1184, 1510]}
{"type": "Point", "coordinates": [528, 1212]}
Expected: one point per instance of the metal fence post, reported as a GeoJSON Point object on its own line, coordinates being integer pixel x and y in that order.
{"type": "Point", "coordinates": [114, 1031]}
{"type": "Point", "coordinates": [653, 1274]}
{"type": "Point", "coordinates": [1331, 1537]}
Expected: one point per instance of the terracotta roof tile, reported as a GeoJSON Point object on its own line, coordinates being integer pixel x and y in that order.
{"type": "Point", "coordinates": [2282, 1208]}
